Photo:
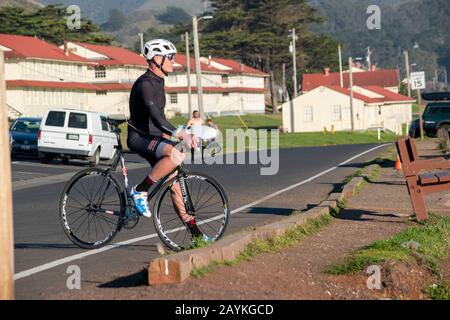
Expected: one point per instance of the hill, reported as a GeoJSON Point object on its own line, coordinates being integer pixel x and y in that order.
{"type": "Point", "coordinates": [27, 4]}
{"type": "Point", "coordinates": [99, 10]}
{"type": "Point", "coordinates": [420, 26]}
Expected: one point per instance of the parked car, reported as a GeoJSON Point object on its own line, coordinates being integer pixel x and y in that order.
{"type": "Point", "coordinates": [435, 116]}
{"type": "Point", "coordinates": [23, 136]}
{"type": "Point", "coordinates": [75, 134]}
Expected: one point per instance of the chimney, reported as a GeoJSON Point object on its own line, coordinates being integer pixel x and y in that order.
{"type": "Point", "coordinates": [373, 67]}
{"type": "Point", "coordinates": [242, 67]}
{"type": "Point", "coordinates": [209, 61]}
{"type": "Point", "coordinates": [326, 71]}
{"type": "Point", "coordinates": [66, 48]}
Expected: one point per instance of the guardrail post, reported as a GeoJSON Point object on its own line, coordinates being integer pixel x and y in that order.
{"type": "Point", "coordinates": [6, 218]}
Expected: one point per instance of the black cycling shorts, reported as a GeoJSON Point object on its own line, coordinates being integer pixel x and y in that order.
{"type": "Point", "coordinates": [148, 147]}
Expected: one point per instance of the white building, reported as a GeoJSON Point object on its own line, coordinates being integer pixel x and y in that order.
{"type": "Point", "coordinates": [329, 106]}
{"type": "Point", "coordinates": [83, 76]}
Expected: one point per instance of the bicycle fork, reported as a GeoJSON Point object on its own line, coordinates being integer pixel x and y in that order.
{"type": "Point", "coordinates": [186, 195]}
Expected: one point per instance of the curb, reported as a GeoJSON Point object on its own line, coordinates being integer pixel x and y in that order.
{"type": "Point", "coordinates": [177, 267]}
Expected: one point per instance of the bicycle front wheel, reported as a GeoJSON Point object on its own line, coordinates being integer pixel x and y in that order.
{"type": "Point", "coordinates": [211, 211]}
{"type": "Point", "coordinates": [91, 208]}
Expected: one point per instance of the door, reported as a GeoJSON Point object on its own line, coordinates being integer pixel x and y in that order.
{"type": "Point", "coordinates": [107, 143]}
{"type": "Point", "coordinates": [77, 133]}
{"type": "Point", "coordinates": [53, 132]}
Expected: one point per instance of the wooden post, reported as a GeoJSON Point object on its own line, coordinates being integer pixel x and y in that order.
{"type": "Point", "coordinates": [6, 218]}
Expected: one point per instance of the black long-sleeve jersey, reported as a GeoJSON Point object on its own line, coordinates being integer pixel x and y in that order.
{"type": "Point", "coordinates": [147, 103]}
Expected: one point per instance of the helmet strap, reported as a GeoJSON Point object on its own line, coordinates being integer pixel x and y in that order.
{"type": "Point", "coordinates": [160, 66]}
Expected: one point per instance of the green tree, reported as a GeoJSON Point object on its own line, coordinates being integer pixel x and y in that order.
{"type": "Point", "coordinates": [256, 32]}
{"type": "Point", "coordinates": [50, 24]}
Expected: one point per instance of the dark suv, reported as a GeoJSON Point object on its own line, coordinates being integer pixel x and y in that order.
{"type": "Point", "coordinates": [435, 116]}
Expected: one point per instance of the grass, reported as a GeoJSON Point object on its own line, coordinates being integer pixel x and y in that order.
{"type": "Point", "coordinates": [340, 206]}
{"type": "Point", "coordinates": [416, 108]}
{"type": "Point", "coordinates": [199, 242]}
{"type": "Point", "coordinates": [288, 140]}
{"type": "Point", "coordinates": [439, 291]}
{"type": "Point", "coordinates": [272, 245]}
{"type": "Point", "coordinates": [433, 237]}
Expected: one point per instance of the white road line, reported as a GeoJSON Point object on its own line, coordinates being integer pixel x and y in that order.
{"type": "Point", "coordinates": [62, 261]}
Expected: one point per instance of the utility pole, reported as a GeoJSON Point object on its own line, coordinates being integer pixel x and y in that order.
{"type": "Point", "coordinates": [284, 82]}
{"type": "Point", "coordinates": [408, 75]}
{"type": "Point", "coordinates": [141, 37]}
{"type": "Point", "coordinates": [445, 77]}
{"type": "Point", "coordinates": [369, 58]}
{"type": "Point", "coordinates": [294, 61]}
{"type": "Point", "coordinates": [435, 82]}
{"type": "Point", "coordinates": [6, 216]}
{"type": "Point", "coordinates": [197, 63]}
{"type": "Point", "coordinates": [341, 74]}
{"type": "Point", "coordinates": [198, 67]}
{"type": "Point", "coordinates": [188, 66]}
{"type": "Point", "coordinates": [350, 65]}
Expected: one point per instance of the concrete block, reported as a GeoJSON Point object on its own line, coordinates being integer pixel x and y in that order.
{"type": "Point", "coordinates": [349, 188]}
{"type": "Point", "coordinates": [335, 197]}
{"type": "Point", "coordinates": [165, 271]}
{"type": "Point", "coordinates": [328, 203]}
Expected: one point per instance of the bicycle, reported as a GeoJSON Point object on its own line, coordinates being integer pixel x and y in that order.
{"type": "Point", "coordinates": [95, 197]}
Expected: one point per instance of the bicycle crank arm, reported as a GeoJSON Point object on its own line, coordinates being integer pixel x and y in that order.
{"type": "Point", "coordinates": [110, 212]}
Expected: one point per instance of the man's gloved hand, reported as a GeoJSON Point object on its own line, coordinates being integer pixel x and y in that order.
{"type": "Point", "coordinates": [190, 139]}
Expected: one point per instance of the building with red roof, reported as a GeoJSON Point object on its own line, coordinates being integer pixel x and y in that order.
{"type": "Point", "coordinates": [328, 106]}
{"type": "Point", "coordinates": [99, 77]}
{"type": "Point", "coordinates": [385, 78]}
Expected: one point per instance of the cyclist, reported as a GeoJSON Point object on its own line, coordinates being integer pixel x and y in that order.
{"type": "Point", "coordinates": [149, 132]}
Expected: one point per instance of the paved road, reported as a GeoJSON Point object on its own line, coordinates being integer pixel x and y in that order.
{"type": "Point", "coordinates": [43, 253]}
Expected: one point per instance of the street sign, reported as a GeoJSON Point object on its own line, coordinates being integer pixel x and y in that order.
{"type": "Point", "coordinates": [418, 81]}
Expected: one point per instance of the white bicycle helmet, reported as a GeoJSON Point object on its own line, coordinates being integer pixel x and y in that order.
{"type": "Point", "coordinates": [158, 47]}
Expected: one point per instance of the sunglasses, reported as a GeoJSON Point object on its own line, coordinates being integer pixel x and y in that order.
{"type": "Point", "coordinates": [171, 56]}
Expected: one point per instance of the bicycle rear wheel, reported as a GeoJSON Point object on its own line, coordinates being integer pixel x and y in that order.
{"type": "Point", "coordinates": [91, 208]}
{"type": "Point", "coordinates": [211, 211]}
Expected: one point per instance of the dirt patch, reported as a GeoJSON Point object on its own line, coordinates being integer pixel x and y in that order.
{"type": "Point", "coordinates": [399, 281]}
{"type": "Point", "coordinates": [295, 273]}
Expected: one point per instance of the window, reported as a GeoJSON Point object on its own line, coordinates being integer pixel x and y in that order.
{"type": "Point", "coordinates": [26, 126]}
{"type": "Point", "coordinates": [337, 113]}
{"type": "Point", "coordinates": [105, 126]}
{"type": "Point", "coordinates": [308, 114]}
{"type": "Point", "coordinates": [55, 119]}
{"type": "Point", "coordinates": [225, 78]}
{"type": "Point", "coordinates": [101, 92]}
{"type": "Point", "coordinates": [173, 98]}
{"type": "Point", "coordinates": [100, 72]}
{"type": "Point", "coordinates": [225, 94]}
{"type": "Point", "coordinates": [78, 120]}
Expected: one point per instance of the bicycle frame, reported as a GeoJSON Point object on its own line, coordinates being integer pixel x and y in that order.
{"type": "Point", "coordinates": [120, 160]}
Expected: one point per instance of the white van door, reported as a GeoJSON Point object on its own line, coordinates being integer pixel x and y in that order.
{"type": "Point", "coordinates": [53, 134]}
{"type": "Point", "coordinates": [77, 133]}
{"type": "Point", "coordinates": [107, 147]}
